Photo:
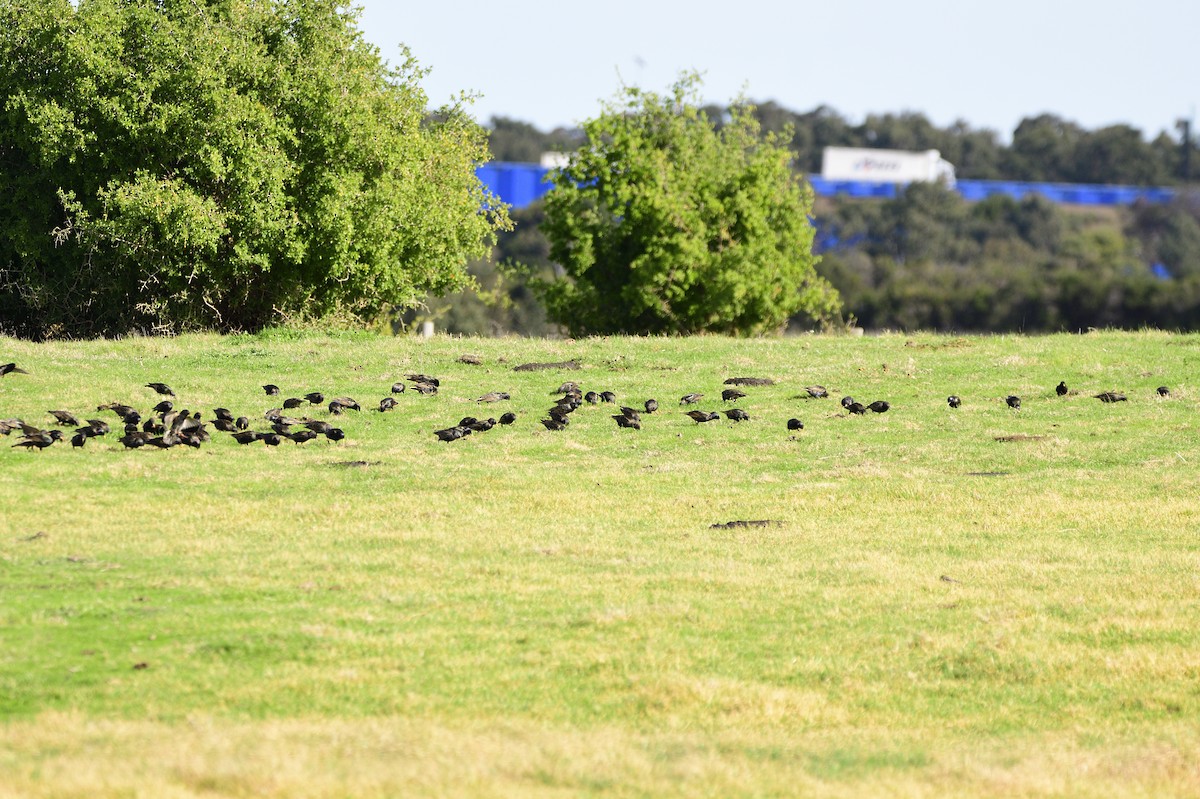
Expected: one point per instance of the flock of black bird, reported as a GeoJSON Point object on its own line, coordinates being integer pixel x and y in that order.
{"type": "Point", "coordinates": [165, 427]}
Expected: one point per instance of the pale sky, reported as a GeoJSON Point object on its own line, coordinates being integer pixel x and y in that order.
{"type": "Point", "coordinates": [1097, 63]}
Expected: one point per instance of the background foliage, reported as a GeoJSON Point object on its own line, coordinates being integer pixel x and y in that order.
{"type": "Point", "coordinates": [175, 165]}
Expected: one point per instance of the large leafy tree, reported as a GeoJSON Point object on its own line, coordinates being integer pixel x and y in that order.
{"type": "Point", "coordinates": [177, 164]}
{"type": "Point", "coordinates": [667, 222]}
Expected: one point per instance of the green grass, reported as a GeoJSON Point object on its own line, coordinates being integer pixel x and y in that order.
{"type": "Point", "coordinates": [529, 613]}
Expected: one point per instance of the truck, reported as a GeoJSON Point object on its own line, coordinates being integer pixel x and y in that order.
{"type": "Point", "coordinates": [885, 166]}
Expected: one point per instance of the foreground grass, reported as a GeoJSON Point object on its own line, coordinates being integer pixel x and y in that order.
{"type": "Point", "coordinates": [530, 613]}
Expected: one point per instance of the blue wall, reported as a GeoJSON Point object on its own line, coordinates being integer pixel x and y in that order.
{"type": "Point", "coordinates": [521, 184]}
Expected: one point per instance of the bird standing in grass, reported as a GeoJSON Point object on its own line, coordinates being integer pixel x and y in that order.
{"type": "Point", "coordinates": [732, 394]}
{"type": "Point", "coordinates": [954, 401]}
{"type": "Point", "coordinates": [795, 424]}
{"type": "Point", "coordinates": [879, 406]}
{"type": "Point", "coordinates": [161, 388]}
{"type": "Point", "coordinates": [1111, 396]}
{"type": "Point", "coordinates": [699, 417]}
{"type": "Point", "coordinates": [737, 415]}
{"type": "Point", "coordinates": [1013, 402]}
{"type": "Point", "coordinates": [690, 399]}
{"type": "Point", "coordinates": [11, 369]}
{"type": "Point", "coordinates": [1163, 391]}
{"type": "Point", "coordinates": [1061, 388]}
{"type": "Point", "coordinates": [651, 405]}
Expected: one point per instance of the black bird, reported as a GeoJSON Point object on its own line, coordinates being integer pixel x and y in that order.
{"type": "Point", "coordinates": [246, 437]}
{"type": "Point", "coordinates": [624, 421]}
{"type": "Point", "coordinates": [467, 421]}
{"type": "Point", "coordinates": [651, 405]}
{"type": "Point", "coordinates": [223, 413]}
{"type": "Point", "coordinates": [134, 440]}
{"type": "Point", "coordinates": [1013, 401]}
{"type": "Point", "coordinates": [508, 418]}
{"type": "Point", "coordinates": [97, 427]}
{"type": "Point", "coordinates": [65, 418]}
{"type": "Point", "coordinates": [273, 414]}
{"type": "Point", "coordinates": [224, 425]}
{"type": "Point", "coordinates": [567, 388]}
{"type": "Point", "coordinates": [425, 389]}
{"type": "Point", "coordinates": [553, 424]}
{"type": "Point", "coordinates": [36, 438]}
{"type": "Point", "coordinates": [398, 387]}
{"type": "Point", "coordinates": [241, 423]}
{"type": "Point", "coordinates": [857, 408]}
{"type": "Point", "coordinates": [302, 436]}
{"type": "Point", "coordinates": [816, 392]}
{"type": "Point", "coordinates": [124, 411]}
{"type": "Point", "coordinates": [314, 397]}
{"type": "Point", "coordinates": [1061, 388]}
{"type": "Point", "coordinates": [11, 369]}
{"type": "Point", "coordinates": [386, 404]}
{"type": "Point", "coordinates": [494, 396]}
{"type": "Point", "coordinates": [560, 415]}
{"type": "Point", "coordinates": [271, 389]}
{"type": "Point", "coordinates": [690, 399]}
{"type": "Point", "coordinates": [335, 434]}
{"type": "Point", "coordinates": [879, 406]}
{"type": "Point", "coordinates": [631, 413]}
{"type": "Point", "coordinates": [166, 406]}
{"type": "Point", "coordinates": [78, 440]}
{"type": "Point", "coordinates": [732, 394]}
{"type": "Point", "coordinates": [795, 424]}
{"type": "Point", "coordinates": [161, 388]}
{"type": "Point", "coordinates": [702, 416]}
{"type": "Point", "coordinates": [270, 439]}
{"type": "Point", "coordinates": [737, 415]}
{"type": "Point", "coordinates": [1163, 391]}
{"type": "Point", "coordinates": [292, 402]}
{"type": "Point", "coordinates": [483, 425]}
{"type": "Point", "coordinates": [608, 396]}
{"type": "Point", "coordinates": [318, 426]}
{"type": "Point", "coordinates": [591, 397]}
{"type": "Point", "coordinates": [953, 401]}
{"type": "Point", "coordinates": [426, 379]}
{"type": "Point", "coordinates": [847, 402]}
{"type": "Point", "coordinates": [1111, 396]}
{"type": "Point", "coordinates": [452, 433]}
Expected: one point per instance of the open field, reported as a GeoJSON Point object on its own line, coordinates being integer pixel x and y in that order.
{"type": "Point", "coordinates": [535, 613]}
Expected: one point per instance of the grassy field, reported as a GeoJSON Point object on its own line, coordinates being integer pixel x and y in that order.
{"type": "Point", "coordinates": [934, 612]}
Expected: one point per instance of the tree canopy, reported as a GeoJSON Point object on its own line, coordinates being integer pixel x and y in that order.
{"type": "Point", "coordinates": [666, 222]}
{"type": "Point", "coordinates": [177, 164]}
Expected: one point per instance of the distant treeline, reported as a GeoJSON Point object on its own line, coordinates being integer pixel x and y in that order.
{"type": "Point", "coordinates": [928, 259]}
{"type": "Point", "coordinates": [1043, 148]}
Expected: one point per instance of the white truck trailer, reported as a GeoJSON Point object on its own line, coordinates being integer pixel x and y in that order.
{"type": "Point", "coordinates": [885, 166]}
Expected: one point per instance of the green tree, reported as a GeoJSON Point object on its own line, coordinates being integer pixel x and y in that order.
{"type": "Point", "coordinates": [664, 223]}
{"type": "Point", "coordinates": [178, 164]}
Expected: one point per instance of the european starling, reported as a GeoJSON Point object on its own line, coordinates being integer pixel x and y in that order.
{"type": "Point", "coordinates": [314, 397]}
{"type": "Point", "coordinates": [11, 368]}
{"type": "Point", "coordinates": [241, 423]}
{"type": "Point", "coordinates": [690, 399]}
{"type": "Point", "coordinates": [651, 405]}
{"type": "Point", "coordinates": [245, 437]}
{"type": "Point", "coordinates": [483, 425]}
{"type": "Point", "coordinates": [732, 394]}
{"type": "Point", "coordinates": [292, 402]}
{"type": "Point", "coordinates": [1061, 388]}
{"type": "Point", "coordinates": [566, 388]}
{"type": "Point", "coordinates": [703, 416]}
{"type": "Point", "coordinates": [134, 440]}
{"type": "Point", "coordinates": [161, 388]}
{"type": "Point", "coordinates": [631, 413]}
{"type": "Point", "coordinates": [65, 418]}
{"type": "Point", "coordinates": [426, 379]}
{"type": "Point", "coordinates": [737, 415]}
{"type": "Point", "coordinates": [467, 421]}
{"type": "Point", "coordinates": [879, 406]}
{"type": "Point", "coordinates": [795, 424]}
{"type": "Point", "coordinates": [857, 408]}
{"type": "Point", "coordinates": [608, 396]}
{"type": "Point", "coordinates": [624, 421]}
{"type": "Point", "coordinates": [1013, 401]}
{"type": "Point", "coordinates": [559, 415]}
{"type": "Point", "coordinates": [398, 387]}
{"type": "Point", "coordinates": [98, 428]}
{"type": "Point", "coordinates": [452, 433]}
{"type": "Point", "coordinates": [953, 401]}
{"type": "Point", "coordinates": [271, 389]}
{"type": "Point", "coordinates": [424, 389]}
{"type": "Point", "coordinates": [494, 396]}
{"type": "Point", "coordinates": [847, 402]}
{"type": "Point", "coordinates": [270, 439]}
{"type": "Point", "coordinates": [302, 436]}
{"type": "Point", "coordinates": [166, 406]}
{"type": "Point", "coordinates": [223, 413]}
{"type": "Point", "coordinates": [553, 424]}
{"type": "Point", "coordinates": [78, 440]}
{"type": "Point", "coordinates": [1111, 396]}
{"type": "Point", "coordinates": [318, 426]}
{"type": "Point", "coordinates": [508, 418]}
{"type": "Point", "coordinates": [1163, 391]}
{"type": "Point", "coordinates": [335, 434]}
{"type": "Point", "coordinates": [591, 397]}
{"type": "Point", "coordinates": [339, 404]}
{"type": "Point", "coordinates": [386, 404]}
{"type": "Point", "coordinates": [816, 392]}
{"type": "Point", "coordinates": [224, 425]}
